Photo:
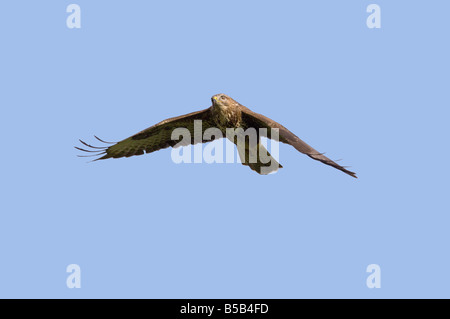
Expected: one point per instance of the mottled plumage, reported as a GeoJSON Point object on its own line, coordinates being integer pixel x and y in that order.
{"type": "Point", "coordinates": [224, 113]}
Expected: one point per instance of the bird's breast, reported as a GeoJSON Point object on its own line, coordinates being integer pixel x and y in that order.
{"type": "Point", "coordinates": [228, 117]}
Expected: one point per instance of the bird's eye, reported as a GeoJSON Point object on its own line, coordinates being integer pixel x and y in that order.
{"type": "Point", "coordinates": [222, 97]}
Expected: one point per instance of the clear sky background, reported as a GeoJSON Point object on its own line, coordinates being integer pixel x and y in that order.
{"type": "Point", "coordinates": [145, 227]}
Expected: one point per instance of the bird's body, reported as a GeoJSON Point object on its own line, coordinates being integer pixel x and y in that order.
{"type": "Point", "coordinates": [225, 113]}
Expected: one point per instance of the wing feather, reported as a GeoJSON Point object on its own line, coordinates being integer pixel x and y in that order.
{"type": "Point", "coordinates": [256, 120]}
{"type": "Point", "coordinates": [155, 137]}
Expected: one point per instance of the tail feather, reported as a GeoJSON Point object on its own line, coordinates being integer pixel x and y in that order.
{"type": "Point", "coordinates": [257, 158]}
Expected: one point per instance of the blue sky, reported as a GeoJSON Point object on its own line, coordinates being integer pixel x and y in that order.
{"type": "Point", "coordinates": [144, 227]}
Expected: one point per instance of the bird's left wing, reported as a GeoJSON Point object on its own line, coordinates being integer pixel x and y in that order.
{"type": "Point", "coordinates": [253, 119]}
{"type": "Point", "coordinates": [154, 138]}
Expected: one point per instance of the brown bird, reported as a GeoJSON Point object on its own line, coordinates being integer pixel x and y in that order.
{"type": "Point", "coordinates": [224, 113]}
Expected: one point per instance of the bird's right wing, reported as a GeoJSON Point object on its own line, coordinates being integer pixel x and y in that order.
{"type": "Point", "coordinates": [155, 137]}
{"type": "Point", "coordinates": [256, 120]}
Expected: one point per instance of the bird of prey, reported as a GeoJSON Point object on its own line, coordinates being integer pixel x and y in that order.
{"type": "Point", "coordinates": [224, 113]}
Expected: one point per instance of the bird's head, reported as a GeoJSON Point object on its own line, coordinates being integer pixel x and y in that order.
{"type": "Point", "coordinates": [222, 100]}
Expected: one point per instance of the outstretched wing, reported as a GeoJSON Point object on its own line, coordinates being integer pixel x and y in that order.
{"type": "Point", "coordinates": [153, 138]}
{"type": "Point", "coordinates": [252, 119]}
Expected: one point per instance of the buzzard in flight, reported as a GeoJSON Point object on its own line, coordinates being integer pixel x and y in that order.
{"type": "Point", "coordinates": [224, 113]}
